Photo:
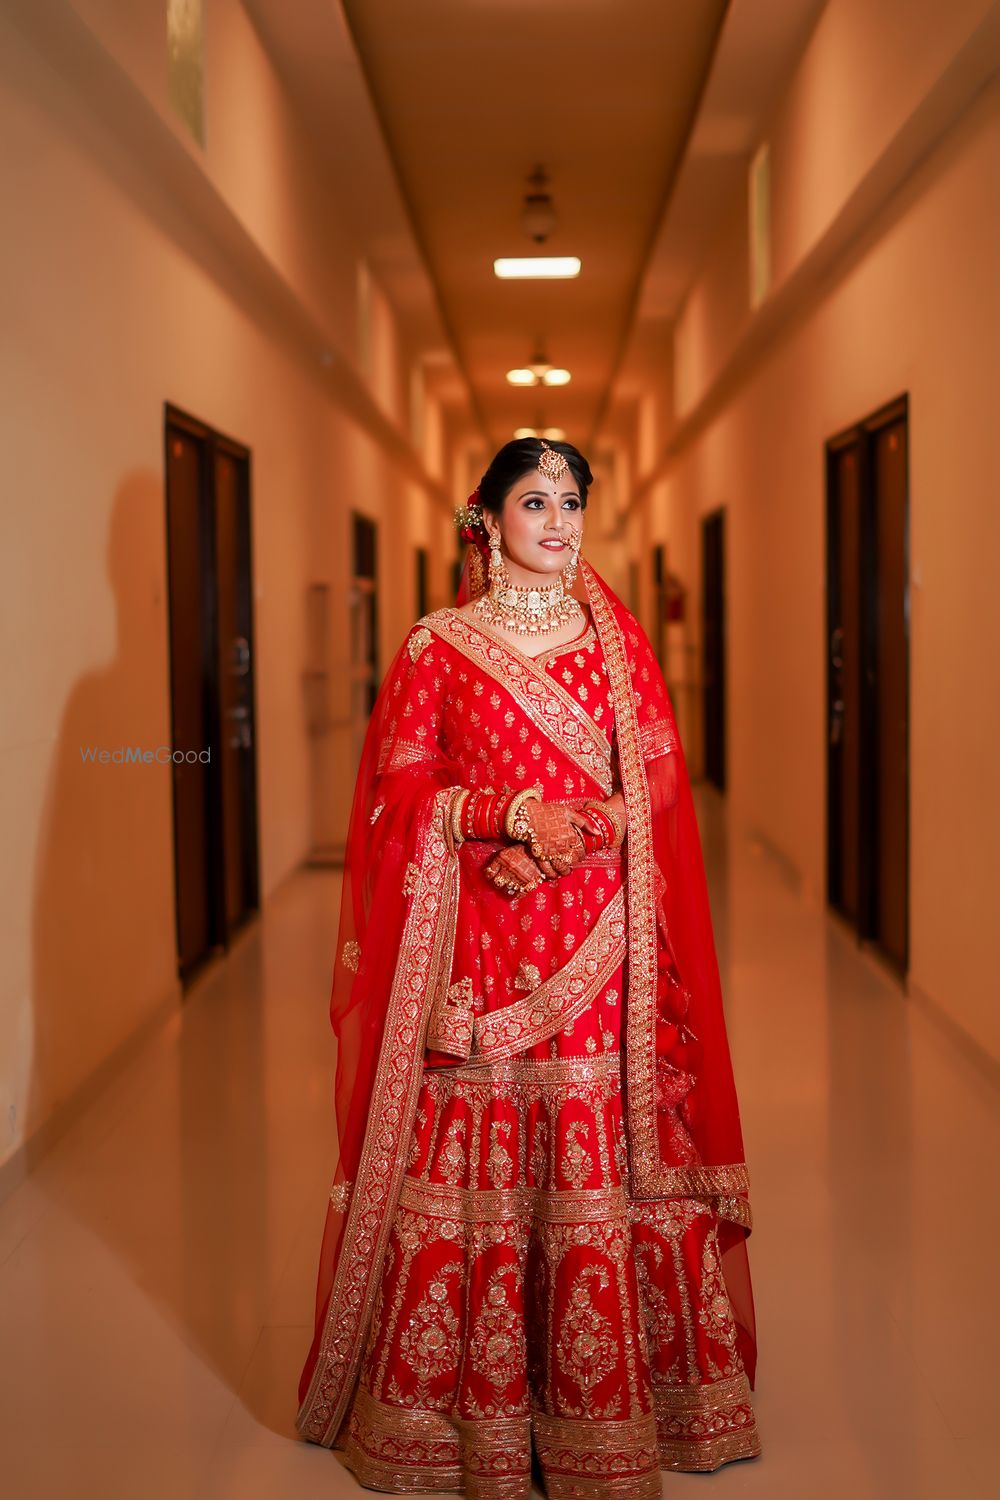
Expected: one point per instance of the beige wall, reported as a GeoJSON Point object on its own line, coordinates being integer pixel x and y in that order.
{"type": "Point", "coordinates": [112, 306]}
{"type": "Point", "coordinates": [910, 306]}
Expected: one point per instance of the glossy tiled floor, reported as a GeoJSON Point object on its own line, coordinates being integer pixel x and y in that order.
{"type": "Point", "coordinates": [156, 1273]}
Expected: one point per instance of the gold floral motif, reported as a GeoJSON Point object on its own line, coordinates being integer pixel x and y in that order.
{"type": "Point", "coordinates": [411, 878]}
{"type": "Point", "coordinates": [499, 1348]}
{"type": "Point", "coordinates": [350, 955]}
{"type": "Point", "coordinates": [499, 1162]}
{"type": "Point", "coordinates": [340, 1195]}
{"type": "Point", "coordinates": [417, 641]}
{"type": "Point", "coordinates": [453, 1155]}
{"type": "Point", "coordinates": [586, 1346]}
{"type": "Point", "coordinates": [429, 1342]}
{"type": "Point", "coordinates": [577, 1164]}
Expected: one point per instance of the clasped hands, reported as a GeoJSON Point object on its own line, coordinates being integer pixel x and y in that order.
{"type": "Point", "coordinates": [555, 845]}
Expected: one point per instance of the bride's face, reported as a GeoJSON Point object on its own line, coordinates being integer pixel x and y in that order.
{"type": "Point", "coordinates": [536, 523]}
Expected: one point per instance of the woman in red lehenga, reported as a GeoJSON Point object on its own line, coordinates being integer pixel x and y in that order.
{"type": "Point", "coordinates": [536, 1237]}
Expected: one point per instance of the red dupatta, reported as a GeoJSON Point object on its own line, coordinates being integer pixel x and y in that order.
{"type": "Point", "coordinates": [394, 956]}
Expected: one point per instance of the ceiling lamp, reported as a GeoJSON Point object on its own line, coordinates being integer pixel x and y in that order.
{"type": "Point", "coordinates": [537, 267]}
{"type": "Point", "coordinates": [554, 434]}
{"type": "Point", "coordinates": [538, 371]}
{"type": "Point", "coordinates": [538, 217]}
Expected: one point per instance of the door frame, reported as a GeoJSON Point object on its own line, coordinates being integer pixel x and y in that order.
{"type": "Point", "coordinates": [861, 437]}
{"type": "Point", "coordinates": [716, 521]}
{"type": "Point", "coordinates": [210, 442]}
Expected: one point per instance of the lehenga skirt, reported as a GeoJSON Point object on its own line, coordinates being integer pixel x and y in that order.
{"type": "Point", "coordinates": [527, 1307]}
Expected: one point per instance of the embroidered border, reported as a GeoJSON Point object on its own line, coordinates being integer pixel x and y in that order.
{"type": "Point", "coordinates": [424, 964]}
{"type": "Point", "coordinates": [701, 1427]}
{"type": "Point", "coordinates": [564, 995]}
{"type": "Point", "coordinates": [546, 702]}
{"type": "Point", "coordinates": [440, 1200]}
{"type": "Point", "coordinates": [640, 1024]}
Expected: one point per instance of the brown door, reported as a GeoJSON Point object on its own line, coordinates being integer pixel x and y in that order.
{"type": "Point", "coordinates": [211, 685]}
{"type": "Point", "coordinates": [364, 626]}
{"type": "Point", "coordinates": [868, 679]}
{"type": "Point", "coordinates": [189, 552]}
{"type": "Point", "coordinates": [713, 554]}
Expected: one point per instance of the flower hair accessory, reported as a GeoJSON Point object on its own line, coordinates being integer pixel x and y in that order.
{"type": "Point", "coordinates": [469, 520]}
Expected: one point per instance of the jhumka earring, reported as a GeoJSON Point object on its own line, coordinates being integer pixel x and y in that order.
{"type": "Point", "coordinates": [569, 572]}
{"type": "Point", "coordinates": [498, 573]}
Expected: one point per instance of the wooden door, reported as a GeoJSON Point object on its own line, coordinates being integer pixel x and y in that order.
{"type": "Point", "coordinates": [868, 680]}
{"type": "Point", "coordinates": [190, 561]}
{"type": "Point", "coordinates": [207, 484]}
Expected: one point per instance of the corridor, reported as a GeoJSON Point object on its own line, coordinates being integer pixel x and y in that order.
{"type": "Point", "coordinates": [156, 1271]}
{"type": "Point", "coordinates": [289, 286]}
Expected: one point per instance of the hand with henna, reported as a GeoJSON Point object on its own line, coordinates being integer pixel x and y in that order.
{"type": "Point", "coordinates": [556, 845]}
{"type": "Point", "coordinates": [513, 870]}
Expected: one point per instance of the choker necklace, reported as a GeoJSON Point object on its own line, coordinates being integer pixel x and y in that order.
{"type": "Point", "coordinates": [526, 610]}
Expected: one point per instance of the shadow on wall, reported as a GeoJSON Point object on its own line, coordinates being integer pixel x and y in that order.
{"type": "Point", "coordinates": [180, 1199]}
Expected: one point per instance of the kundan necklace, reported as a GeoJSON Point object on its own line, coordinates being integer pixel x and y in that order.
{"type": "Point", "coordinates": [528, 610]}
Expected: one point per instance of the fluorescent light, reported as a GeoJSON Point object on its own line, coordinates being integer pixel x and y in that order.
{"type": "Point", "coordinates": [523, 432]}
{"type": "Point", "coordinates": [557, 377]}
{"type": "Point", "coordinates": [522, 377]}
{"type": "Point", "coordinates": [550, 267]}
{"type": "Point", "coordinates": [554, 434]}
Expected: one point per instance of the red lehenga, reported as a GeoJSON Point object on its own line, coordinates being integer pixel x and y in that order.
{"type": "Point", "coordinates": [537, 1234]}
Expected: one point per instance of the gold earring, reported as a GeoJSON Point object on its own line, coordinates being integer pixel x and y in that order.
{"type": "Point", "coordinates": [497, 570]}
{"type": "Point", "coordinates": [569, 572]}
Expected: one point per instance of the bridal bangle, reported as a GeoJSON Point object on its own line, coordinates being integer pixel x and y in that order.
{"type": "Point", "coordinates": [458, 802]}
{"type": "Point", "coordinates": [612, 830]}
{"type": "Point", "coordinates": [516, 824]}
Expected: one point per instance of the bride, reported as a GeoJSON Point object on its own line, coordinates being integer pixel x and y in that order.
{"type": "Point", "coordinates": [536, 1237]}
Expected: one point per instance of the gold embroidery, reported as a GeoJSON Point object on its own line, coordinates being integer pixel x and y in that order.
{"type": "Point", "coordinates": [449, 1028]}
{"type": "Point", "coordinates": [586, 1348]}
{"type": "Point", "coordinates": [340, 1195]}
{"type": "Point", "coordinates": [499, 1162]}
{"type": "Point", "coordinates": [426, 952]}
{"type": "Point", "coordinates": [418, 640]}
{"type": "Point", "coordinates": [499, 1346]}
{"type": "Point", "coordinates": [351, 955]}
{"type": "Point", "coordinates": [563, 996]}
{"type": "Point", "coordinates": [577, 1164]}
{"type": "Point", "coordinates": [411, 878]}
{"type": "Point", "coordinates": [429, 1342]}
{"type": "Point", "coordinates": [528, 977]}
{"type": "Point", "coordinates": [548, 705]}
{"type": "Point", "coordinates": [640, 1038]}
{"type": "Point", "coordinates": [501, 1205]}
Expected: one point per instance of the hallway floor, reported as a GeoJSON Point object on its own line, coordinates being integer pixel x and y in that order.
{"type": "Point", "coordinates": [157, 1269]}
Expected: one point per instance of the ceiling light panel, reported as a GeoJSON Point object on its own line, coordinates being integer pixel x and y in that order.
{"type": "Point", "coordinates": [537, 267]}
